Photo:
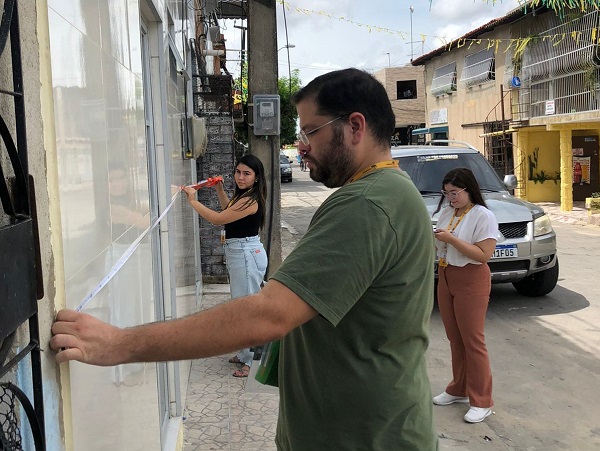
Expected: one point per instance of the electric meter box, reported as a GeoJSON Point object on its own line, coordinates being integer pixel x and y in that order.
{"type": "Point", "coordinates": [267, 120]}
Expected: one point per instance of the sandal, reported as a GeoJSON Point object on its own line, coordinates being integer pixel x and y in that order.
{"type": "Point", "coordinates": [235, 359]}
{"type": "Point", "coordinates": [243, 372]}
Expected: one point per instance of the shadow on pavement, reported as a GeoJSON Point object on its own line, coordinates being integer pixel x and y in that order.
{"type": "Point", "coordinates": [561, 300]}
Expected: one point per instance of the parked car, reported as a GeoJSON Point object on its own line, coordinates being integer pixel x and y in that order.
{"type": "Point", "coordinates": [525, 252]}
{"type": "Point", "coordinates": [285, 168]}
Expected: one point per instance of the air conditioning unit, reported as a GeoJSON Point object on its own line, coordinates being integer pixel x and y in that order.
{"type": "Point", "coordinates": [446, 89]}
{"type": "Point", "coordinates": [198, 137]}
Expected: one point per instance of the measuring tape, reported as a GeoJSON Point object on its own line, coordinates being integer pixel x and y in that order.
{"type": "Point", "coordinates": [211, 181]}
{"type": "Point", "coordinates": [131, 249]}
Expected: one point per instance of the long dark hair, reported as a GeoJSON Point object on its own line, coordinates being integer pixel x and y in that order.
{"type": "Point", "coordinates": [258, 193]}
{"type": "Point", "coordinates": [462, 178]}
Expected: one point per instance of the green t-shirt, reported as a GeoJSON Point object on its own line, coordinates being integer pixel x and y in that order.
{"type": "Point", "coordinates": [354, 377]}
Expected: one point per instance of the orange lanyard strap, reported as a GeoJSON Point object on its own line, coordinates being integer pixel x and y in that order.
{"type": "Point", "coordinates": [380, 165]}
{"type": "Point", "coordinates": [442, 261]}
{"type": "Point", "coordinates": [450, 228]}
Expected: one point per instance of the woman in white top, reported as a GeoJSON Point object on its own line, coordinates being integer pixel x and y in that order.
{"type": "Point", "coordinates": [465, 240]}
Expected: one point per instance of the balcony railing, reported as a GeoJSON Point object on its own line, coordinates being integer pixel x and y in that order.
{"type": "Point", "coordinates": [212, 95]}
{"type": "Point", "coordinates": [571, 94]}
{"type": "Point", "coordinates": [562, 66]}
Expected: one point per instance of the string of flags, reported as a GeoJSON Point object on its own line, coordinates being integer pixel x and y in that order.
{"type": "Point", "coordinates": [517, 45]}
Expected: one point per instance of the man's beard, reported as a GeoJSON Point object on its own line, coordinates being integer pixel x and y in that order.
{"type": "Point", "coordinates": [335, 165]}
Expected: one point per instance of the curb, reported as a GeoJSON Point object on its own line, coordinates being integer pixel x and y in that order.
{"type": "Point", "coordinates": [593, 220]}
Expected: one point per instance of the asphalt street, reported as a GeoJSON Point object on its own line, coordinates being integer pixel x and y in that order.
{"type": "Point", "coordinates": [544, 351]}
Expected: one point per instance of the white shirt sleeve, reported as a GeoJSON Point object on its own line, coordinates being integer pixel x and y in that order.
{"type": "Point", "coordinates": [478, 224]}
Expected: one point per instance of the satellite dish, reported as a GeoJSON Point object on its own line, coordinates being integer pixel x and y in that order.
{"type": "Point", "coordinates": [516, 82]}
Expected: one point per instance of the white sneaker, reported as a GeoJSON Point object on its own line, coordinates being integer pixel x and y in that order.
{"type": "Point", "coordinates": [444, 399]}
{"type": "Point", "coordinates": [477, 414]}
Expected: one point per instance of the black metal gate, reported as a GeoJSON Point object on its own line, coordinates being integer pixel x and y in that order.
{"type": "Point", "coordinates": [20, 270]}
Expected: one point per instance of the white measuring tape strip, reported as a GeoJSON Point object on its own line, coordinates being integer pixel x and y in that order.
{"type": "Point", "coordinates": [130, 250]}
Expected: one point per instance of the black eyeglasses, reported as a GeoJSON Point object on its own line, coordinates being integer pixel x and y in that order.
{"type": "Point", "coordinates": [303, 136]}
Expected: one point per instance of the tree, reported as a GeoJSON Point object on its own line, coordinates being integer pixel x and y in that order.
{"type": "Point", "coordinates": [289, 116]}
{"type": "Point", "coordinates": [240, 97]}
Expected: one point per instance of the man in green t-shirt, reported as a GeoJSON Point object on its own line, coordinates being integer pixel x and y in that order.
{"type": "Point", "coordinates": [351, 303]}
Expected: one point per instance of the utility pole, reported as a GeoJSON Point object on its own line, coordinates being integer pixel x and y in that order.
{"type": "Point", "coordinates": [412, 53]}
{"type": "Point", "coordinates": [262, 79]}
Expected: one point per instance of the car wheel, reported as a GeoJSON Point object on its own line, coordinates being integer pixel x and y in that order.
{"type": "Point", "coordinates": [539, 283]}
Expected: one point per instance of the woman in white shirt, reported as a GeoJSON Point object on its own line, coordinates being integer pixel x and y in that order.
{"type": "Point", "coordinates": [465, 240]}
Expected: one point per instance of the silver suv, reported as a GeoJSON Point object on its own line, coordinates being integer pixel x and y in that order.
{"type": "Point", "coordinates": [526, 249]}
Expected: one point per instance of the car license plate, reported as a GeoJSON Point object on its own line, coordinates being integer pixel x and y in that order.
{"type": "Point", "coordinates": [505, 251]}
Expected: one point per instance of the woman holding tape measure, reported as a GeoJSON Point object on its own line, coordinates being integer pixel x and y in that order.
{"type": "Point", "coordinates": [242, 216]}
{"type": "Point", "coordinates": [465, 240]}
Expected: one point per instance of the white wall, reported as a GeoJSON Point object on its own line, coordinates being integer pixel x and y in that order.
{"type": "Point", "coordinates": [104, 198]}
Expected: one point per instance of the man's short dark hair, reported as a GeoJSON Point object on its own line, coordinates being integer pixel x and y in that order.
{"type": "Point", "coordinates": [352, 90]}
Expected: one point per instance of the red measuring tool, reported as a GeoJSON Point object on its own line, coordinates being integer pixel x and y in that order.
{"type": "Point", "coordinates": [211, 181]}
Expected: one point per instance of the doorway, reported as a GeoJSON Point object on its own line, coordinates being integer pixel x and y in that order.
{"type": "Point", "coordinates": [586, 167]}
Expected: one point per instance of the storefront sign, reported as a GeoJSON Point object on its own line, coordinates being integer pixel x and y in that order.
{"type": "Point", "coordinates": [550, 107]}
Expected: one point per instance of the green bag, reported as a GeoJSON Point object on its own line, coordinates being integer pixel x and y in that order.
{"type": "Point", "coordinates": [267, 372]}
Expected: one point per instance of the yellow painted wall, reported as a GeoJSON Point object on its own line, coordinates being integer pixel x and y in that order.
{"type": "Point", "coordinates": [548, 161]}
{"type": "Point", "coordinates": [549, 191]}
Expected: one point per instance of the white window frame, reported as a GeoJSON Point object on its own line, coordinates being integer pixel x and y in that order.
{"type": "Point", "coordinates": [480, 67]}
{"type": "Point", "coordinates": [444, 80]}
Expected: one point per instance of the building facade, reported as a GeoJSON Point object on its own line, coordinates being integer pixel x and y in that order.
{"type": "Point", "coordinates": [523, 90]}
{"type": "Point", "coordinates": [405, 86]}
{"type": "Point", "coordinates": [107, 101]}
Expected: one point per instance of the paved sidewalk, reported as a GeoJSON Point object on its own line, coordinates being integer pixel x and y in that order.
{"type": "Point", "coordinates": [224, 412]}
{"type": "Point", "coordinates": [579, 214]}
{"type": "Point", "coordinates": [228, 413]}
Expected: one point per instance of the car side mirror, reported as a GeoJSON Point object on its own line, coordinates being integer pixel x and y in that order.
{"type": "Point", "coordinates": [510, 181]}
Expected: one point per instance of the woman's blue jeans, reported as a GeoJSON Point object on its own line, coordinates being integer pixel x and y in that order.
{"type": "Point", "coordinates": [246, 264]}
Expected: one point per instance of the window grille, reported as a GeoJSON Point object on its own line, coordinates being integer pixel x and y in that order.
{"type": "Point", "coordinates": [561, 48]}
{"type": "Point", "coordinates": [21, 284]}
{"type": "Point", "coordinates": [498, 147]}
{"type": "Point", "coordinates": [479, 68]}
{"type": "Point", "coordinates": [444, 80]}
{"type": "Point", "coordinates": [571, 94]}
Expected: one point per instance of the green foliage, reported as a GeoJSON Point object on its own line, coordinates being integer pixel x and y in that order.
{"type": "Point", "coordinates": [240, 85]}
{"type": "Point", "coordinates": [596, 194]}
{"type": "Point", "coordinates": [289, 115]}
{"type": "Point", "coordinates": [533, 159]}
{"type": "Point", "coordinates": [541, 176]}
{"type": "Point", "coordinates": [560, 7]}
{"type": "Point", "coordinates": [240, 95]}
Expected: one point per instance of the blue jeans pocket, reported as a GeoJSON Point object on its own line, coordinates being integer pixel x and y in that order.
{"type": "Point", "coordinates": [246, 265]}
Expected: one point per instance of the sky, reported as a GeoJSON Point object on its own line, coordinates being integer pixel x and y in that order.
{"type": "Point", "coordinates": [368, 34]}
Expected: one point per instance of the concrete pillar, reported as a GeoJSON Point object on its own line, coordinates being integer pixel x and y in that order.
{"type": "Point", "coordinates": [521, 152]}
{"type": "Point", "coordinates": [566, 170]}
{"type": "Point", "coordinates": [262, 79]}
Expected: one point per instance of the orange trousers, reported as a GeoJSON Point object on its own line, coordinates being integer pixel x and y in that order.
{"type": "Point", "coordinates": [463, 296]}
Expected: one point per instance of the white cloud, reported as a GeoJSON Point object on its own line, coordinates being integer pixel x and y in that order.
{"type": "Point", "coordinates": [333, 34]}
